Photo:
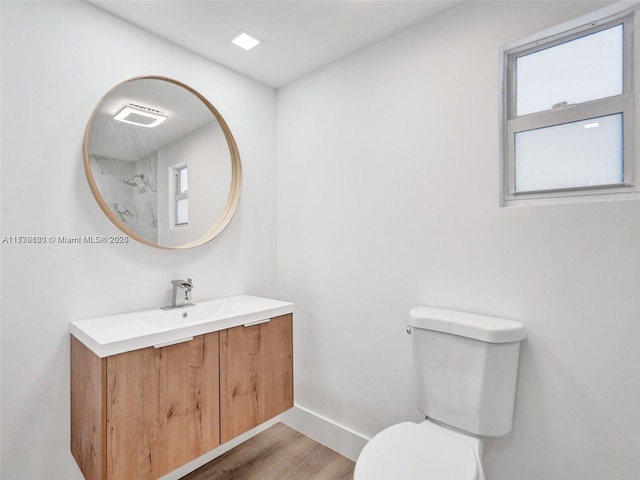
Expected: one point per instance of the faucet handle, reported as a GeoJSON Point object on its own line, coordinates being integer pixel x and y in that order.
{"type": "Point", "coordinates": [187, 291]}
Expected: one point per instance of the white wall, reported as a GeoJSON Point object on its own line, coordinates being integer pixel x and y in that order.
{"type": "Point", "coordinates": [388, 199]}
{"type": "Point", "coordinates": [58, 59]}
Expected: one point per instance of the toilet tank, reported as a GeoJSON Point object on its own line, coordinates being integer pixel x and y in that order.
{"type": "Point", "coordinates": [467, 367]}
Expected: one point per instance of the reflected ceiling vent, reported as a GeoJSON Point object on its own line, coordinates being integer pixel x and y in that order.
{"type": "Point", "coordinates": [140, 115]}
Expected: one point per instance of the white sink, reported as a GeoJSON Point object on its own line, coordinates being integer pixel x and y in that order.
{"type": "Point", "coordinates": [181, 316]}
{"type": "Point", "coordinates": [114, 334]}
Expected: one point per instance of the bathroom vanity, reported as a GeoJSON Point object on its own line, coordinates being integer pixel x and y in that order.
{"type": "Point", "coordinates": [153, 390]}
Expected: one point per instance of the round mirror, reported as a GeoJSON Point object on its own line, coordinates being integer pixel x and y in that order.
{"type": "Point", "coordinates": [162, 163]}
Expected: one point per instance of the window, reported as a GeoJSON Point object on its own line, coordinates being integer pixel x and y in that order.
{"type": "Point", "coordinates": [181, 197]}
{"type": "Point", "coordinates": [568, 111]}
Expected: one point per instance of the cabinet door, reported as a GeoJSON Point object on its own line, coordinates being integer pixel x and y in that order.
{"type": "Point", "coordinates": [162, 408]}
{"type": "Point", "coordinates": [256, 374]}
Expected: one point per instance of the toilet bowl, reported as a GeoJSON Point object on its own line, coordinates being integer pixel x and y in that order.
{"type": "Point", "coordinates": [420, 451]}
{"type": "Point", "coordinates": [466, 368]}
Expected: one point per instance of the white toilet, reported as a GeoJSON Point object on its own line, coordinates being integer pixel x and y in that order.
{"type": "Point", "coordinates": [467, 367]}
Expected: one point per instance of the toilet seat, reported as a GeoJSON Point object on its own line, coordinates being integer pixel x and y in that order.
{"type": "Point", "coordinates": [411, 451]}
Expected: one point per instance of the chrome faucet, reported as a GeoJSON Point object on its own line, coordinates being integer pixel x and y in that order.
{"type": "Point", "coordinates": [185, 285]}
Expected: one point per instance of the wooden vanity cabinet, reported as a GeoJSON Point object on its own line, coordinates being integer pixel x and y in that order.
{"type": "Point", "coordinates": [256, 374]}
{"type": "Point", "coordinates": [141, 414]}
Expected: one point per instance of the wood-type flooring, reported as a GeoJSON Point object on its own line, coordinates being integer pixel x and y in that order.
{"type": "Point", "coordinates": [278, 453]}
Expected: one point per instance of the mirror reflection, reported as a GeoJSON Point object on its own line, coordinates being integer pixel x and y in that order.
{"type": "Point", "coordinates": [162, 163]}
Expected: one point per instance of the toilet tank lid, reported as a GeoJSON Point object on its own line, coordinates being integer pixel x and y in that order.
{"type": "Point", "coordinates": [471, 325]}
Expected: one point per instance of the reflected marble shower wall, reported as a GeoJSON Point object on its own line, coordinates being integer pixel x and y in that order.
{"type": "Point", "coordinates": [130, 189]}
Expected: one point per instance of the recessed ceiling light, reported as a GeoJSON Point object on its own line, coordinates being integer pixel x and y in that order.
{"type": "Point", "coordinates": [591, 125]}
{"type": "Point", "coordinates": [139, 115]}
{"type": "Point", "coordinates": [245, 40]}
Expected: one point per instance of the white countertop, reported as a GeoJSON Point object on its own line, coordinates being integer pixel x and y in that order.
{"type": "Point", "coordinates": [114, 334]}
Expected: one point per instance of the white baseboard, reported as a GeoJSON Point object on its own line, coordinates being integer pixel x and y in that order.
{"type": "Point", "coordinates": [337, 437]}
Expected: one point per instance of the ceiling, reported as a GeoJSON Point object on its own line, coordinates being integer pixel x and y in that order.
{"type": "Point", "coordinates": [299, 36]}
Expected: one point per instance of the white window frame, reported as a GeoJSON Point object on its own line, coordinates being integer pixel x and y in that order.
{"type": "Point", "coordinates": [623, 103]}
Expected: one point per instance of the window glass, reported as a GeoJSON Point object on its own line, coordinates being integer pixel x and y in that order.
{"type": "Point", "coordinates": [182, 211]}
{"type": "Point", "coordinates": [577, 154]}
{"type": "Point", "coordinates": [182, 180]}
{"type": "Point", "coordinates": [581, 70]}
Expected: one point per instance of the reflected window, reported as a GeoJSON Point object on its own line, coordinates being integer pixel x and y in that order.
{"type": "Point", "coordinates": [181, 200]}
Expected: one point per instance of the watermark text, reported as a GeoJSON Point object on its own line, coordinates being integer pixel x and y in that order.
{"type": "Point", "coordinates": [63, 239]}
